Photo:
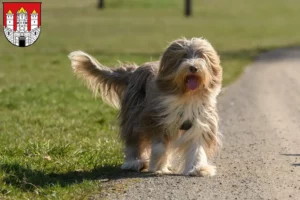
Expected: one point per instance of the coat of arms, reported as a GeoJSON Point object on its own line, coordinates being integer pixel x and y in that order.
{"type": "Point", "coordinates": [22, 22]}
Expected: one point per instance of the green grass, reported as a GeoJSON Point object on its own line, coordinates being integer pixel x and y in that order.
{"type": "Point", "coordinates": [56, 140]}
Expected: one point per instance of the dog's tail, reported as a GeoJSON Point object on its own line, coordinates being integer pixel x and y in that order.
{"type": "Point", "coordinates": [109, 83]}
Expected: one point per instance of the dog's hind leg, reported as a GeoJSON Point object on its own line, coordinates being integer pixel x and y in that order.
{"type": "Point", "coordinates": [196, 162]}
{"type": "Point", "coordinates": [136, 157]}
{"type": "Point", "coordinates": [131, 161]}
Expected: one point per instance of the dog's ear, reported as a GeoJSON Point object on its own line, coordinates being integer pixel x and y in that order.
{"type": "Point", "coordinates": [211, 58]}
{"type": "Point", "coordinates": [172, 57]}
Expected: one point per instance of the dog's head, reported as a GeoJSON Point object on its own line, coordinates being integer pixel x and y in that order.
{"type": "Point", "coordinates": [189, 67]}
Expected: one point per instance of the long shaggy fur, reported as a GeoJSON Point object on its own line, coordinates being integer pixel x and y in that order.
{"type": "Point", "coordinates": [108, 83]}
{"type": "Point", "coordinates": [157, 99]}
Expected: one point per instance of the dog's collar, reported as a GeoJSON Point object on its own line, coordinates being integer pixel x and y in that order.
{"type": "Point", "coordinates": [186, 125]}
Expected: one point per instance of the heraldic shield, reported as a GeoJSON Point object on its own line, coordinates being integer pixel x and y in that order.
{"type": "Point", "coordinates": [22, 22]}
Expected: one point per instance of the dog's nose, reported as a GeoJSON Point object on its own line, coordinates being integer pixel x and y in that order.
{"type": "Point", "coordinates": [193, 69]}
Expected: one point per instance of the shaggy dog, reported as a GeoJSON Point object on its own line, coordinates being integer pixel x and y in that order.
{"type": "Point", "coordinates": [167, 108]}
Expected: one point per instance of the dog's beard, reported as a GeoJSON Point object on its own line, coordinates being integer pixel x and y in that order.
{"type": "Point", "coordinates": [190, 77]}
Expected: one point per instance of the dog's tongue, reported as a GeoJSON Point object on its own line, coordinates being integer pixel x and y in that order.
{"type": "Point", "coordinates": [192, 82]}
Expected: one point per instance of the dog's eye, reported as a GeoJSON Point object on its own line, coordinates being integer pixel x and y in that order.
{"type": "Point", "coordinates": [186, 125]}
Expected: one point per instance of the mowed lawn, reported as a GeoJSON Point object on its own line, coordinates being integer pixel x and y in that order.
{"type": "Point", "coordinates": [56, 139]}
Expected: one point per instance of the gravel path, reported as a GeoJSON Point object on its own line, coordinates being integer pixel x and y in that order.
{"type": "Point", "coordinates": [261, 125]}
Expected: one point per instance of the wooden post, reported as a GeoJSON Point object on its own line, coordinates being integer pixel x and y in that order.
{"type": "Point", "coordinates": [188, 8]}
{"type": "Point", "coordinates": [101, 4]}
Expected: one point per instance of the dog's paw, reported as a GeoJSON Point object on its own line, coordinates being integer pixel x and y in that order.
{"type": "Point", "coordinates": [135, 165]}
{"type": "Point", "coordinates": [205, 171]}
{"type": "Point", "coordinates": [165, 170]}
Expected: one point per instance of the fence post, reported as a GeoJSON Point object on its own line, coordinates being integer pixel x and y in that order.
{"type": "Point", "coordinates": [188, 8]}
{"type": "Point", "coordinates": [101, 4]}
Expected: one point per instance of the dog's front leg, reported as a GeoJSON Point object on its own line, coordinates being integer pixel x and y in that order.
{"type": "Point", "coordinates": [196, 162]}
{"type": "Point", "coordinates": [159, 156]}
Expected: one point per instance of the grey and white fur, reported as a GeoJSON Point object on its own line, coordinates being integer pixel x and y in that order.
{"type": "Point", "coordinates": [156, 99]}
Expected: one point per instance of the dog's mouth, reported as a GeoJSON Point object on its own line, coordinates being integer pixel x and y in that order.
{"type": "Point", "coordinates": [192, 82]}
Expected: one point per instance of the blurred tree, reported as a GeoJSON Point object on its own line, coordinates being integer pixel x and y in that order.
{"type": "Point", "coordinates": [100, 4]}
{"type": "Point", "coordinates": [188, 8]}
